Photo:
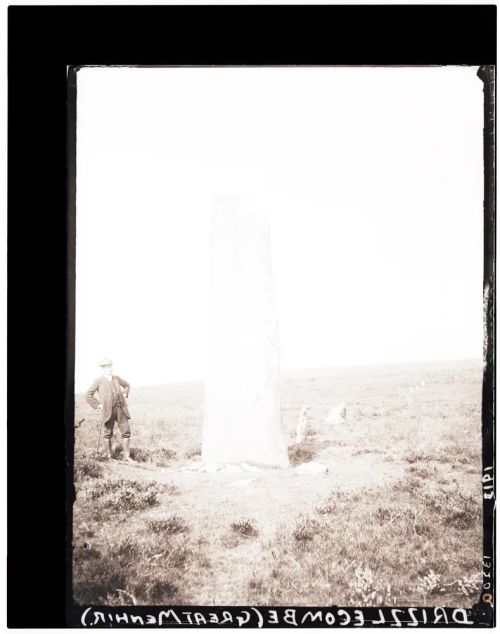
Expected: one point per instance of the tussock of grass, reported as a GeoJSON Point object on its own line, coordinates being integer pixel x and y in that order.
{"type": "Point", "coordinates": [98, 578]}
{"type": "Point", "coordinates": [241, 530]}
{"type": "Point", "coordinates": [170, 525]}
{"type": "Point", "coordinates": [159, 457]}
{"type": "Point", "coordinates": [325, 509]}
{"type": "Point", "coordinates": [422, 471]}
{"type": "Point", "coordinates": [307, 450]}
{"type": "Point", "coordinates": [88, 468]}
{"type": "Point", "coordinates": [170, 488]}
{"type": "Point", "coordinates": [297, 454]}
{"type": "Point", "coordinates": [419, 456]}
{"type": "Point", "coordinates": [231, 540]}
{"type": "Point", "coordinates": [159, 591]}
{"type": "Point", "coordinates": [256, 585]}
{"type": "Point", "coordinates": [193, 452]}
{"type": "Point", "coordinates": [124, 495]}
{"type": "Point", "coordinates": [245, 527]}
{"type": "Point", "coordinates": [305, 529]}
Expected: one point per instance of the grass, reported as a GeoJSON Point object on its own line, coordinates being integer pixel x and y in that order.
{"type": "Point", "coordinates": [393, 550]}
{"type": "Point", "coordinates": [397, 520]}
{"type": "Point", "coordinates": [144, 569]}
{"type": "Point", "coordinates": [138, 563]}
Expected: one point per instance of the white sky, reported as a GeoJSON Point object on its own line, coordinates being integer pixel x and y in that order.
{"type": "Point", "coordinates": [373, 181]}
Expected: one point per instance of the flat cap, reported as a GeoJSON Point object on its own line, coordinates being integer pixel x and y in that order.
{"type": "Point", "coordinates": [104, 362]}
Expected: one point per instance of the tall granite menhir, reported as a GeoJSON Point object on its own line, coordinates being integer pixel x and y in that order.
{"type": "Point", "coordinates": [242, 421]}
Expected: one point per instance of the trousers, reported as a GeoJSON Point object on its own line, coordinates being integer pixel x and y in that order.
{"type": "Point", "coordinates": [119, 417]}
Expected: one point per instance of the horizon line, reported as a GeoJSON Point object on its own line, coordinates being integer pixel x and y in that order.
{"type": "Point", "coordinates": [476, 360]}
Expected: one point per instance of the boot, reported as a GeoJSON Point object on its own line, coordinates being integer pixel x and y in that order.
{"type": "Point", "coordinates": [126, 449]}
{"type": "Point", "coordinates": [109, 452]}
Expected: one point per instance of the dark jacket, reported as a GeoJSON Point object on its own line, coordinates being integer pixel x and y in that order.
{"type": "Point", "coordinates": [105, 393]}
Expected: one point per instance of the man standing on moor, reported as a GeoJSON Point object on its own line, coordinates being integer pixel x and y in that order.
{"type": "Point", "coordinates": [111, 405]}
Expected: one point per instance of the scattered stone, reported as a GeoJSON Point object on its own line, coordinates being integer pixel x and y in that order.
{"type": "Point", "coordinates": [232, 468]}
{"type": "Point", "coordinates": [211, 467]}
{"type": "Point", "coordinates": [240, 484]}
{"type": "Point", "coordinates": [337, 414]}
{"type": "Point", "coordinates": [311, 467]}
{"type": "Point", "coordinates": [196, 466]}
{"type": "Point", "coordinates": [250, 467]}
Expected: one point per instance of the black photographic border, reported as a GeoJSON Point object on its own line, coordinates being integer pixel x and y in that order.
{"type": "Point", "coordinates": [46, 45]}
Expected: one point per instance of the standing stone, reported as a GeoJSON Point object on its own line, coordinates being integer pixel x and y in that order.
{"type": "Point", "coordinates": [242, 421]}
{"type": "Point", "coordinates": [300, 436]}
